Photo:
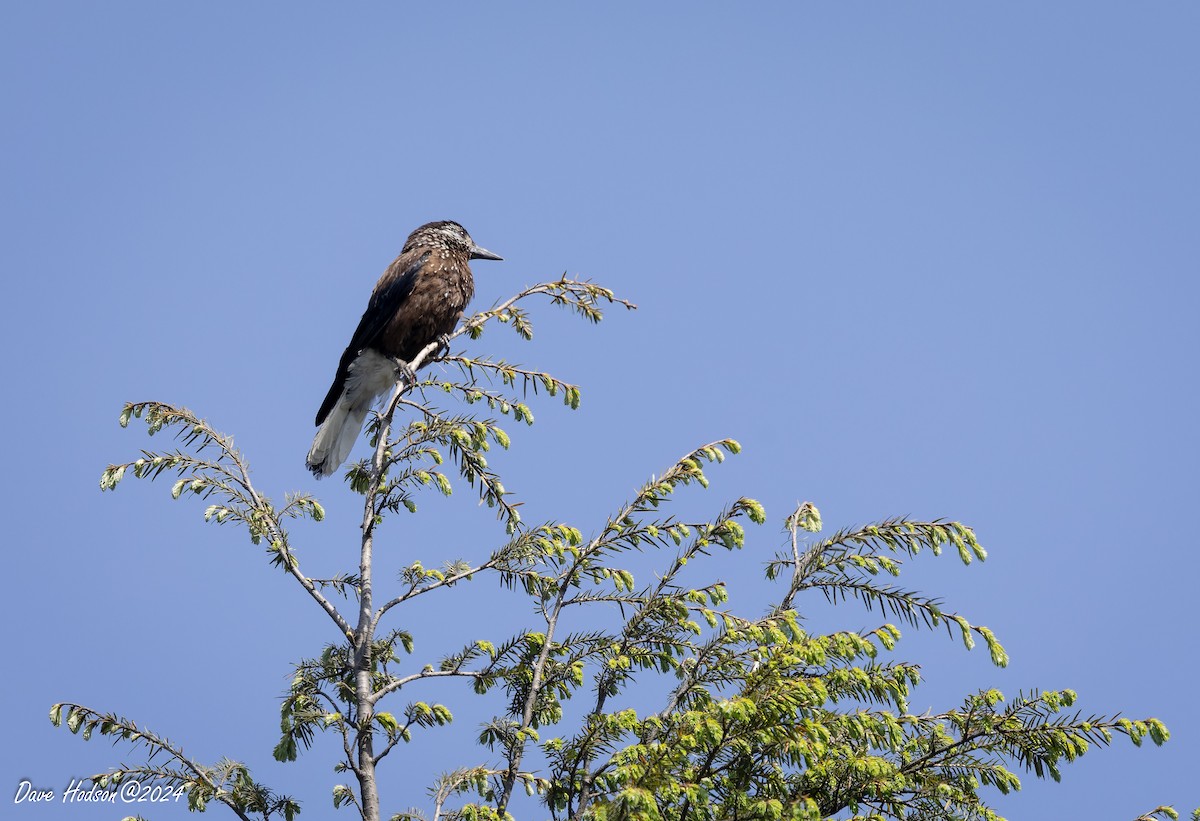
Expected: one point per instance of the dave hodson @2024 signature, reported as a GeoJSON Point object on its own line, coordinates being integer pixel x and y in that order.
{"type": "Point", "coordinates": [79, 792]}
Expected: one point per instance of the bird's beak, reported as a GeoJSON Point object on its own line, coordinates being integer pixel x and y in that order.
{"type": "Point", "coordinates": [483, 253]}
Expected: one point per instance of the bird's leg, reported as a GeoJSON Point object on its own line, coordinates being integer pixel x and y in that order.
{"type": "Point", "coordinates": [443, 348]}
{"type": "Point", "coordinates": [405, 371]}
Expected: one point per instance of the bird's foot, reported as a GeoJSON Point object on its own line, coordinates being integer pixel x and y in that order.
{"type": "Point", "coordinates": [405, 372]}
{"type": "Point", "coordinates": [443, 348]}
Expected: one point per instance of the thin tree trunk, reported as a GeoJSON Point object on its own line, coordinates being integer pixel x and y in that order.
{"type": "Point", "coordinates": [363, 639]}
{"type": "Point", "coordinates": [364, 634]}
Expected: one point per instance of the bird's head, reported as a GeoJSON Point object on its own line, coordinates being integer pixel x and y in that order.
{"type": "Point", "coordinates": [448, 235]}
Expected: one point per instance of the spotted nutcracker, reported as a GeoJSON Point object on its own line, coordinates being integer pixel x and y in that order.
{"type": "Point", "coordinates": [418, 300]}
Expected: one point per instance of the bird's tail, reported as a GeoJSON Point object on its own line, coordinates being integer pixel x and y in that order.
{"type": "Point", "coordinates": [336, 436]}
{"type": "Point", "coordinates": [368, 377]}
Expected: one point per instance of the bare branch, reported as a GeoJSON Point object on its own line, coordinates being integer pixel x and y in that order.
{"type": "Point", "coordinates": [396, 683]}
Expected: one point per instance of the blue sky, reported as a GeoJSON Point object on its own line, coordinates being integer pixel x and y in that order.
{"type": "Point", "coordinates": [935, 261]}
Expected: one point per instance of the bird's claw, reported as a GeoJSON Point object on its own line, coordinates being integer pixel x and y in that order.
{"type": "Point", "coordinates": [405, 372]}
{"type": "Point", "coordinates": [443, 348]}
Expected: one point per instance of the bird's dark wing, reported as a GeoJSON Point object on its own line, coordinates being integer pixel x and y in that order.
{"type": "Point", "coordinates": [393, 289]}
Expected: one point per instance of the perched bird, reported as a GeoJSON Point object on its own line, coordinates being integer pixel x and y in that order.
{"type": "Point", "coordinates": [418, 300]}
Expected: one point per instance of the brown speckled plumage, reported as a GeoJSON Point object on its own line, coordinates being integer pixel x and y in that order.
{"type": "Point", "coordinates": [421, 296]}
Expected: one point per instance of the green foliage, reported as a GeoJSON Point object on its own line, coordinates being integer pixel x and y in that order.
{"type": "Point", "coordinates": [227, 782]}
{"type": "Point", "coordinates": [1161, 813]}
{"type": "Point", "coordinates": [754, 717]}
{"type": "Point", "coordinates": [847, 565]}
